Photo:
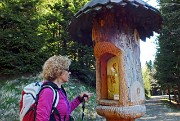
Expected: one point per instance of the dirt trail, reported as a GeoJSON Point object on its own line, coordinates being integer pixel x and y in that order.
{"type": "Point", "coordinates": [157, 111]}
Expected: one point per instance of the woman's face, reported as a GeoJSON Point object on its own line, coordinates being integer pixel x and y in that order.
{"type": "Point", "coordinates": [65, 76]}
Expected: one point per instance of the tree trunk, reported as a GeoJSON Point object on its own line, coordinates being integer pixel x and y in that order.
{"type": "Point", "coordinates": [169, 94]}
{"type": "Point", "coordinates": [175, 97]}
{"type": "Point", "coordinates": [178, 94]}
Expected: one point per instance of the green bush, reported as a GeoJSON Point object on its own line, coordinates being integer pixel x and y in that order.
{"type": "Point", "coordinates": [85, 75]}
{"type": "Point", "coordinates": [21, 42]}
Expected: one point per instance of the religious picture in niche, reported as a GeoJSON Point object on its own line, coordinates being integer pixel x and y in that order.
{"type": "Point", "coordinates": [113, 78]}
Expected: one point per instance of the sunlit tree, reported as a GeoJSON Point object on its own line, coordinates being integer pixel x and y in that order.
{"type": "Point", "coordinates": [167, 62]}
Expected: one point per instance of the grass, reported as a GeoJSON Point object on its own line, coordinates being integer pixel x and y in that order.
{"type": "Point", "coordinates": [171, 104]}
{"type": "Point", "coordinates": [11, 94]}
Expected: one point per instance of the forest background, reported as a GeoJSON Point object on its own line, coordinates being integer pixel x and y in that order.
{"type": "Point", "coordinates": [33, 30]}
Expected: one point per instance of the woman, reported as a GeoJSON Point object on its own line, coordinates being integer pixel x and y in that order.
{"type": "Point", "coordinates": [56, 70]}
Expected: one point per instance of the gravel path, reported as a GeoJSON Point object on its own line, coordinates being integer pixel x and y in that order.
{"type": "Point", "coordinates": [157, 111]}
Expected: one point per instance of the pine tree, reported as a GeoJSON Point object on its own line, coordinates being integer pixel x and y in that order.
{"type": "Point", "coordinates": [167, 62]}
{"type": "Point", "coordinates": [20, 40]}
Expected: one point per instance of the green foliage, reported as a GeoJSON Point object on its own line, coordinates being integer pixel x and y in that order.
{"type": "Point", "coordinates": [171, 105]}
{"type": "Point", "coordinates": [83, 64]}
{"type": "Point", "coordinates": [167, 62]}
{"type": "Point", "coordinates": [147, 78]}
{"type": "Point", "coordinates": [20, 42]}
{"type": "Point", "coordinates": [56, 16]}
{"type": "Point", "coordinates": [10, 97]}
{"type": "Point", "coordinates": [150, 83]}
{"type": "Point", "coordinates": [73, 88]}
{"type": "Point", "coordinates": [33, 30]}
{"type": "Point", "coordinates": [167, 57]}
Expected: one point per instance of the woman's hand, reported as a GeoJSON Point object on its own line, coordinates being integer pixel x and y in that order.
{"type": "Point", "coordinates": [84, 96]}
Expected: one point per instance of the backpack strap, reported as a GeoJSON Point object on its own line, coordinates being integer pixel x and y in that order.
{"type": "Point", "coordinates": [55, 89]}
{"type": "Point", "coordinates": [56, 112]}
{"type": "Point", "coordinates": [63, 90]}
{"type": "Point", "coordinates": [53, 85]}
{"type": "Point", "coordinates": [55, 97]}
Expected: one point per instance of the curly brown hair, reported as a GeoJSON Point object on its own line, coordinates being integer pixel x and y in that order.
{"type": "Point", "coordinates": [55, 66]}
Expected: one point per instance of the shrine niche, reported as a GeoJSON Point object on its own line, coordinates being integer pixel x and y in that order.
{"type": "Point", "coordinates": [114, 29]}
{"type": "Point", "coordinates": [109, 62]}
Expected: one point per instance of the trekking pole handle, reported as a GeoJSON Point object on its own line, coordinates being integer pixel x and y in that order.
{"type": "Point", "coordinates": [83, 103]}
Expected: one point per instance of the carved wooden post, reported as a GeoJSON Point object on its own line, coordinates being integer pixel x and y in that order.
{"type": "Point", "coordinates": [115, 29]}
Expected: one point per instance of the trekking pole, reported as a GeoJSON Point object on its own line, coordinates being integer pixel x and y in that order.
{"type": "Point", "coordinates": [83, 107]}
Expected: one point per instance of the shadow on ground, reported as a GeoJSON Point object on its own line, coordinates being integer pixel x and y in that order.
{"type": "Point", "coordinates": [156, 110]}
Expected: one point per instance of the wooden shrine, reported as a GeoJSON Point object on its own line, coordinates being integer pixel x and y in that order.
{"type": "Point", "coordinates": [114, 29]}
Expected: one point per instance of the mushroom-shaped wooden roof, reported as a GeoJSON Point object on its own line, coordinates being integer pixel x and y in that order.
{"type": "Point", "coordinates": [147, 18]}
